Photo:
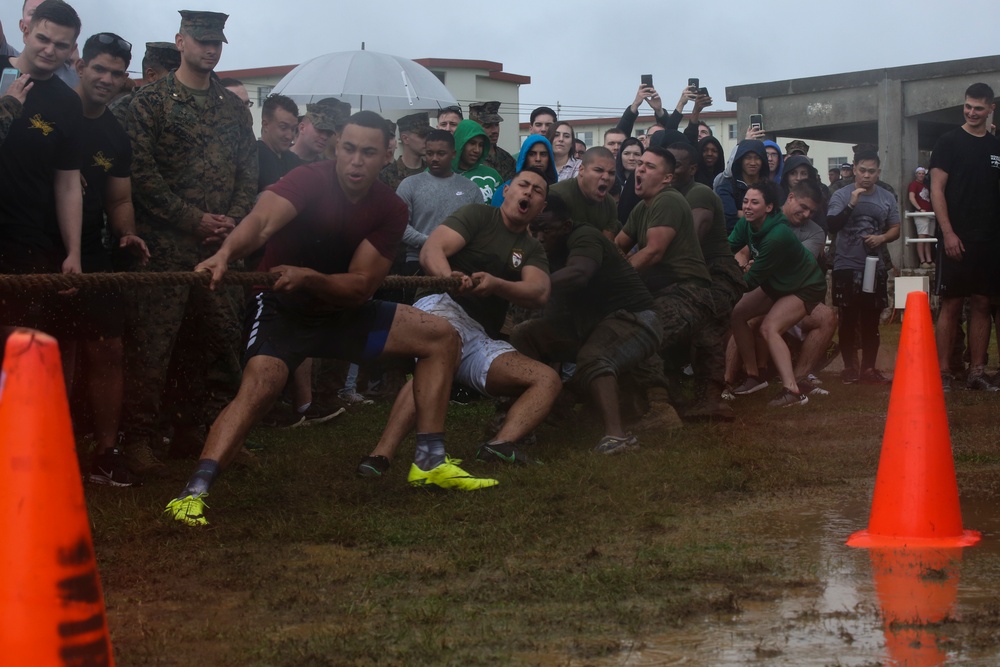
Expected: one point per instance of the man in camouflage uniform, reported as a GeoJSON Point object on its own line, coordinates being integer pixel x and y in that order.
{"type": "Point", "coordinates": [413, 130]}
{"type": "Point", "coordinates": [194, 177]}
{"type": "Point", "coordinates": [160, 59]}
{"type": "Point", "coordinates": [486, 114]}
{"type": "Point", "coordinates": [318, 128]}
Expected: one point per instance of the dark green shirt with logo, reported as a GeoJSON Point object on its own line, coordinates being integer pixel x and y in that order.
{"type": "Point", "coordinates": [491, 248]}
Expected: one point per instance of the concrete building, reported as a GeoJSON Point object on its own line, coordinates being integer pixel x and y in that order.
{"type": "Point", "coordinates": [468, 80]}
{"type": "Point", "coordinates": [902, 110]}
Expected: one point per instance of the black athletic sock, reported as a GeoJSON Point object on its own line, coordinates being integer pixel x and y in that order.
{"type": "Point", "coordinates": [430, 450]}
{"type": "Point", "coordinates": [203, 476]}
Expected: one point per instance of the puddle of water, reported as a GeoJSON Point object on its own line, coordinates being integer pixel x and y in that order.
{"type": "Point", "coordinates": [867, 612]}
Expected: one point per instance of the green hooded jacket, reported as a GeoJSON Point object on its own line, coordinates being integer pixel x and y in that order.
{"type": "Point", "coordinates": [483, 176]}
{"type": "Point", "coordinates": [781, 263]}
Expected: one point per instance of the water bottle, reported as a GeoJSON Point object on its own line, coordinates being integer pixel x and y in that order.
{"type": "Point", "coordinates": [868, 280]}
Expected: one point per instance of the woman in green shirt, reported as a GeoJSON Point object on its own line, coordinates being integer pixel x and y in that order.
{"type": "Point", "coordinates": [784, 284]}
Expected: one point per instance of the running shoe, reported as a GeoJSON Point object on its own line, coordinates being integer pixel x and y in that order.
{"type": "Point", "coordinates": [980, 381]}
{"type": "Point", "coordinates": [787, 399]}
{"type": "Point", "coordinates": [189, 510]}
{"type": "Point", "coordinates": [447, 475]}
{"type": "Point", "coordinates": [352, 398]}
{"type": "Point", "coordinates": [111, 469]}
{"type": "Point", "coordinates": [810, 388]}
{"type": "Point", "coordinates": [610, 444]}
{"type": "Point", "coordinates": [373, 466]}
{"type": "Point", "coordinates": [750, 385]}
{"type": "Point", "coordinates": [503, 452]}
{"type": "Point", "coordinates": [874, 376]}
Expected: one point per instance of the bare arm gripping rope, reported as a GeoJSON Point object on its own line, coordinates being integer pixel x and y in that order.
{"type": "Point", "coordinates": [62, 281]}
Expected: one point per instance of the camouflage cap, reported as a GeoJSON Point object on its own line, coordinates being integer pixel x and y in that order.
{"type": "Point", "coordinates": [485, 113]}
{"type": "Point", "coordinates": [328, 114]}
{"type": "Point", "coordinates": [418, 123]}
{"type": "Point", "coordinates": [204, 26]}
{"type": "Point", "coordinates": [340, 111]}
{"type": "Point", "coordinates": [164, 53]}
{"type": "Point", "coordinates": [797, 146]}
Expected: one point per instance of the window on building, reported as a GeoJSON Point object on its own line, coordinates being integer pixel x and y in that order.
{"type": "Point", "coordinates": [835, 162]}
{"type": "Point", "coordinates": [587, 138]}
{"type": "Point", "coordinates": [262, 94]}
{"type": "Point", "coordinates": [732, 130]}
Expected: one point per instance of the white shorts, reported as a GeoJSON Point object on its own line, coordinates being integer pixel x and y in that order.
{"type": "Point", "coordinates": [925, 226]}
{"type": "Point", "coordinates": [479, 351]}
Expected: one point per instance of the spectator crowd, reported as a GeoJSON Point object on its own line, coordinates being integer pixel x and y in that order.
{"type": "Point", "coordinates": [650, 277]}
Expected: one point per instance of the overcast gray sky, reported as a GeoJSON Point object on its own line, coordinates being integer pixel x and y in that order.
{"type": "Point", "coordinates": [588, 55]}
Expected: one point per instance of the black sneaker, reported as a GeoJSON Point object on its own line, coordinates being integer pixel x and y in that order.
{"type": "Point", "coordinates": [373, 466]}
{"type": "Point", "coordinates": [111, 469]}
{"type": "Point", "coordinates": [787, 399]}
{"type": "Point", "coordinates": [503, 452]}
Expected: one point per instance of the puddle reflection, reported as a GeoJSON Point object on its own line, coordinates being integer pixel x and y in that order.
{"type": "Point", "coordinates": [882, 606]}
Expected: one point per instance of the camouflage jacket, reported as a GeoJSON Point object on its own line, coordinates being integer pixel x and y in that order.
{"type": "Point", "coordinates": [393, 173]}
{"type": "Point", "coordinates": [10, 110]}
{"type": "Point", "coordinates": [503, 162]}
{"type": "Point", "coordinates": [119, 106]}
{"type": "Point", "coordinates": [189, 160]}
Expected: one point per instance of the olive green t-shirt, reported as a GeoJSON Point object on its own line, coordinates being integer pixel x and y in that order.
{"type": "Point", "coordinates": [682, 259]}
{"type": "Point", "coordinates": [715, 244]}
{"type": "Point", "coordinates": [602, 215]}
{"type": "Point", "coordinates": [491, 248]}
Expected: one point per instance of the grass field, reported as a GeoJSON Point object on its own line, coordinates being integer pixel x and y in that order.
{"type": "Point", "coordinates": [304, 564]}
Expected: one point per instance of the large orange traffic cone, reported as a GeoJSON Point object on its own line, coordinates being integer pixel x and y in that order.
{"type": "Point", "coordinates": [53, 607]}
{"type": "Point", "coordinates": [916, 494]}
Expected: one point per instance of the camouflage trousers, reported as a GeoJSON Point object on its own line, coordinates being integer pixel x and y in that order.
{"type": "Point", "coordinates": [182, 356]}
{"type": "Point", "coordinates": [683, 309]}
{"type": "Point", "coordinates": [708, 348]}
{"type": "Point", "coordinates": [615, 345]}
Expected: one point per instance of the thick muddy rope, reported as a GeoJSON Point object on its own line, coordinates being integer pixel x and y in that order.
{"type": "Point", "coordinates": [30, 282]}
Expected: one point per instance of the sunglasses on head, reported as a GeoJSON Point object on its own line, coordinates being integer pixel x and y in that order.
{"type": "Point", "coordinates": [110, 38]}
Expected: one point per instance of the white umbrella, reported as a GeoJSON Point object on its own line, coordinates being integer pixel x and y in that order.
{"type": "Point", "coordinates": [366, 80]}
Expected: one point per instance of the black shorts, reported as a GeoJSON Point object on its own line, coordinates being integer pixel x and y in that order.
{"type": "Point", "coordinates": [975, 274]}
{"type": "Point", "coordinates": [847, 292]}
{"type": "Point", "coordinates": [357, 335]}
{"type": "Point", "coordinates": [811, 297]}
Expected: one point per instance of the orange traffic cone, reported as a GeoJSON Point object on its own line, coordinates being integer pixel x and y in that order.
{"type": "Point", "coordinates": [51, 597]}
{"type": "Point", "coordinates": [916, 494]}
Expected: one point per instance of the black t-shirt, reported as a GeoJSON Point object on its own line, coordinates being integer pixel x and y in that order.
{"type": "Point", "coordinates": [107, 153]}
{"type": "Point", "coordinates": [271, 166]}
{"type": "Point", "coordinates": [973, 188]}
{"type": "Point", "coordinates": [44, 139]}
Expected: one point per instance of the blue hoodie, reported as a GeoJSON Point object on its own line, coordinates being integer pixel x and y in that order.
{"type": "Point", "coordinates": [729, 185]}
{"type": "Point", "coordinates": [550, 174]}
{"type": "Point", "coordinates": [781, 160]}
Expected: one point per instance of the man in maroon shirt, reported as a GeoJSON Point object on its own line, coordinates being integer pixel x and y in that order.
{"type": "Point", "coordinates": [331, 231]}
